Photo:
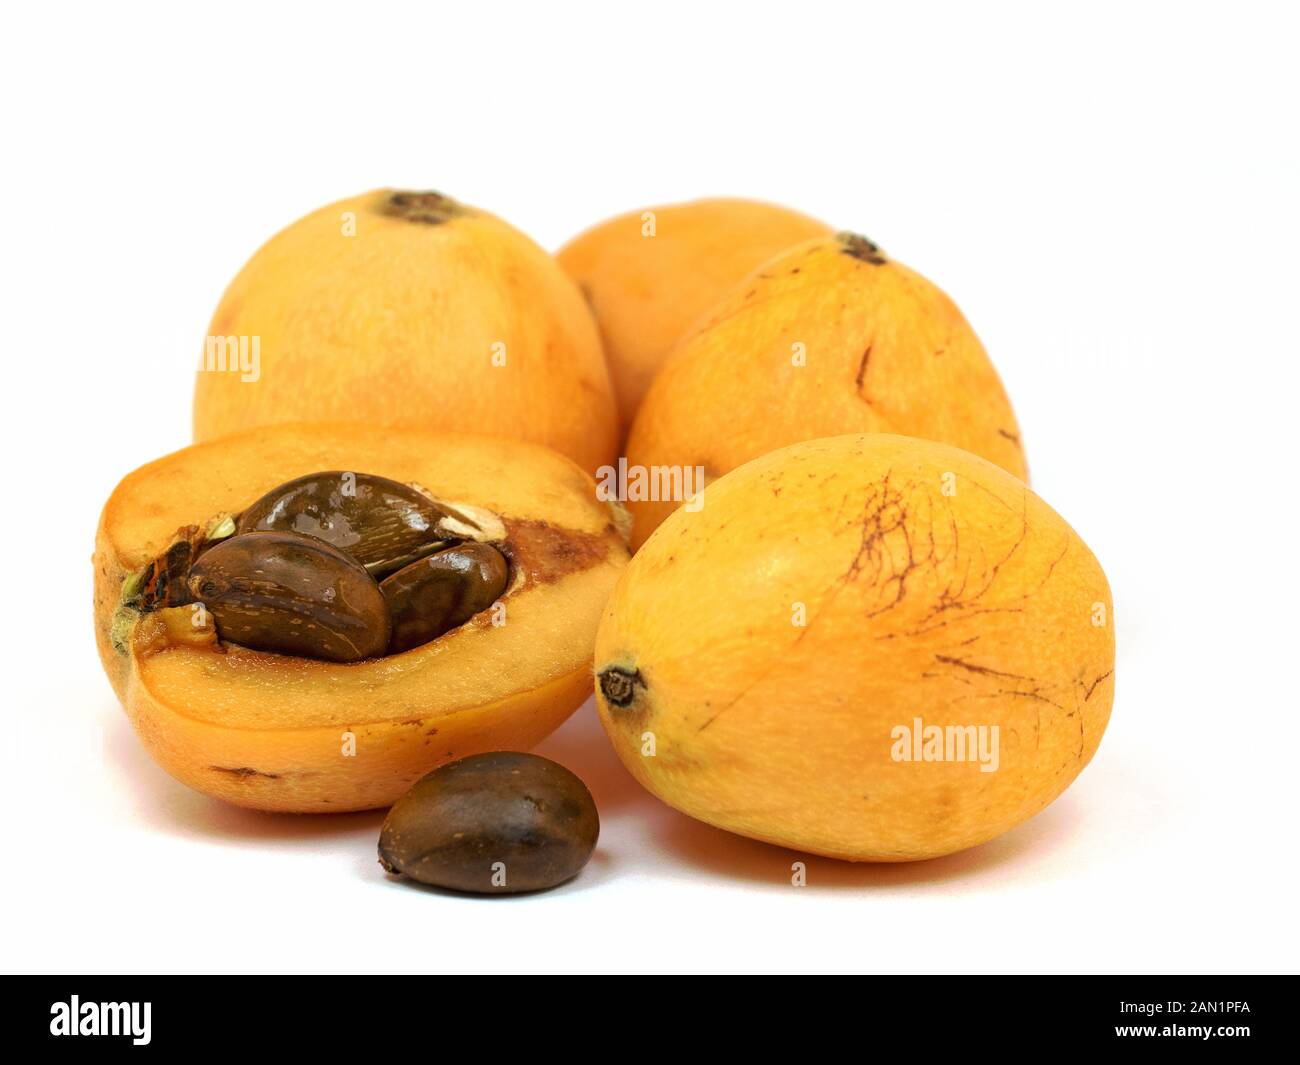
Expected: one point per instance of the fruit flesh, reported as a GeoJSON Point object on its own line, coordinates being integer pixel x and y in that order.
{"type": "Point", "coordinates": [978, 608]}
{"type": "Point", "coordinates": [646, 291]}
{"type": "Point", "coordinates": [463, 325]}
{"type": "Point", "coordinates": [272, 731]}
{"type": "Point", "coordinates": [829, 337]}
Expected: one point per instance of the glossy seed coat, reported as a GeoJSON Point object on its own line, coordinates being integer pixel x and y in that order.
{"type": "Point", "coordinates": [495, 823]}
{"type": "Point", "coordinates": [383, 524]}
{"type": "Point", "coordinates": [291, 594]}
{"type": "Point", "coordinates": [435, 594]}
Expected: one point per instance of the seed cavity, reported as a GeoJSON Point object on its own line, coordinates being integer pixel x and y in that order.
{"type": "Point", "coordinates": [221, 527]}
{"type": "Point", "coordinates": [334, 566]}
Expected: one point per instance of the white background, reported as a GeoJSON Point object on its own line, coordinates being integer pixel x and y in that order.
{"type": "Point", "coordinates": [1108, 191]}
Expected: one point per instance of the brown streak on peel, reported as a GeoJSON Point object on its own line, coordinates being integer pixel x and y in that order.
{"type": "Point", "coordinates": [1090, 688]}
{"type": "Point", "coordinates": [862, 368]}
{"type": "Point", "coordinates": [244, 772]}
{"type": "Point", "coordinates": [963, 664]}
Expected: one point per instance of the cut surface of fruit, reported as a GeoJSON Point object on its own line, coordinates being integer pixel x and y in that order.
{"type": "Point", "coordinates": [288, 733]}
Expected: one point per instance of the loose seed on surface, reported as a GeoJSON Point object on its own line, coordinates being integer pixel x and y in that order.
{"type": "Point", "coordinates": [492, 823]}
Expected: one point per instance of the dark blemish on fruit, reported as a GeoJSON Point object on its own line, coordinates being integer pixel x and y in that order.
{"type": "Point", "coordinates": [862, 367]}
{"type": "Point", "coordinates": [861, 248]}
{"type": "Point", "coordinates": [544, 553]}
{"type": "Point", "coordinates": [1090, 688]}
{"type": "Point", "coordinates": [244, 772]}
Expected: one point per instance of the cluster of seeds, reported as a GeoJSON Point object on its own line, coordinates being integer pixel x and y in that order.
{"type": "Point", "coordinates": [339, 567]}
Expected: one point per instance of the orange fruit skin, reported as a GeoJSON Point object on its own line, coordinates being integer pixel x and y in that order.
{"type": "Point", "coordinates": [647, 287]}
{"type": "Point", "coordinates": [831, 592]}
{"type": "Point", "coordinates": [276, 732]}
{"type": "Point", "coordinates": [829, 337]}
{"type": "Point", "coordinates": [462, 325]}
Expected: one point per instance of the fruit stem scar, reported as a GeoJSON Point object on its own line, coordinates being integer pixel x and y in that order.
{"type": "Point", "coordinates": [619, 685]}
{"type": "Point", "coordinates": [430, 208]}
{"type": "Point", "coordinates": [861, 248]}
